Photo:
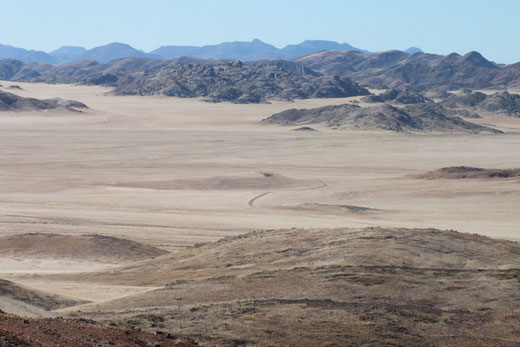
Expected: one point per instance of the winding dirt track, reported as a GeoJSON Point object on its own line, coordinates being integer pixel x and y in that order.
{"type": "Point", "coordinates": [252, 201]}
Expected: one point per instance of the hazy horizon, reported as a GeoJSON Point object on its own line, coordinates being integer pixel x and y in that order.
{"type": "Point", "coordinates": [439, 27]}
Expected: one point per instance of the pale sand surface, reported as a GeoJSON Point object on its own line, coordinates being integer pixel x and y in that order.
{"type": "Point", "coordinates": [92, 292]}
{"type": "Point", "coordinates": [26, 266]}
{"type": "Point", "coordinates": [94, 172]}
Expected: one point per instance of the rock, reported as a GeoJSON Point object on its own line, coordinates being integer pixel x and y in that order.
{"type": "Point", "coordinates": [466, 98]}
{"type": "Point", "coordinates": [421, 117]}
{"type": "Point", "coordinates": [463, 113]}
{"type": "Point", "coordinates": [305, 129]}
{"type": "Point", "coordinates": [465, 172]}
{"type": "Point", "coordinates": [12, 102]}
{"type": "Point", "coordinates": [213, 80]}
{"type": "Point", "coordinates": [240, 83]}
{"type": "Point", "coordinates": [392, 69]}
{"type": "Point", "coordinates": [398, 96]}
{"type": "Point", "coordinates": [502, 103]}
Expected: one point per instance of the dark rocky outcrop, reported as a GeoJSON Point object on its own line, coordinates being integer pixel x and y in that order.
{"type": "Point", "coordinates": [467, 98]}
{"type": "Point", "coordinates": [466, 172]}
{"type": "Point", "coordinates": [305, 129]}
{"type": "Point", "coordinates": [502, 103]}
{"type": "Point", "coordinates": [240, 83]}
{"type": "Point", "coordinates": [214, 81]}
{"type": "Point", "coordinates": [404, 97]}
{"type": "Point", "coordinates": [463, 113]}
{"type": "Point", "coordinates": [427, 71]}
{"type": "Point", "coordinates": [422, 117]}
{"type": "Point", "coordinates": [12, 102]}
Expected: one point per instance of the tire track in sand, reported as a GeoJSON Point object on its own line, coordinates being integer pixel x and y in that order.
{"type": "Point", "coordinates": [251, 202]}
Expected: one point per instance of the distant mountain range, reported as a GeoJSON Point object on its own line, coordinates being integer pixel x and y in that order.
{"type": "Point", "coordinates": [238, 50]}
{"type": "Point", "coordinates": [247, 72]}
{"type": "Point", "coordinates": [331, 73]}
{"type": "Point", "coordinates": [10, 52]}
{"type": "Point", "coordinates": [393, 69]}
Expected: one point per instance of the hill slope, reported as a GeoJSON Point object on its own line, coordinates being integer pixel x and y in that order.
{"type": "Point", "coordinates": [337, 286]}
{"type": "Point", "coordinates": [110, 52]}
{"type": "Point", "coordinates": [503, 103]}
{"type": "Point", "coordinates": [395, 68]}
{"type": "Point", "coordinates": [189, 77]}
{"type": "Point", "coordinates": [25, 301]}
{"type": "Point", "coordinates": [12, 102]}
{"type": "Point", "coordinates": [85, 247]}
{"type": "Point", "coordinates": [426, 116]}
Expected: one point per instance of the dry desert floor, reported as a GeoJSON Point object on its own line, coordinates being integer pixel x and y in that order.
{"type": "Point", "coordinates": [173, 173]}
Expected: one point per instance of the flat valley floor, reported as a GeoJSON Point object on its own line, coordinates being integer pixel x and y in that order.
{"type": "Point", "coordinates": [173, 173]}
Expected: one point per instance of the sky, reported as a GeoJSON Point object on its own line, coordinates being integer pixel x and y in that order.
{"type": "Point", "coordinates": [436, 26]}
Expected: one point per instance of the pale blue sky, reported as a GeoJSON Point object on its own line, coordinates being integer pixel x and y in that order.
{"type": "Point", "coordinates": [437, 26]}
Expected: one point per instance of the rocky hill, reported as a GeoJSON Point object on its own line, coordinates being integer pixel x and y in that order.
{"type": "Point", "coordinates": [190, 77]}
{"type": "Point", "coordinates": [342, 287]}
{"type": "Point", "coordinates": [427, 116]}
{"type": "Point", "coordinates": [503, 103]}
{"type": "Point", "coordinates": [465, 172]}
{"type": "Point", "coordinates": [395, 68]}
{"type": "Point", "coordinates": [405, 97]}
{"type": "Point", "coordinates": [12, 102]}
{"type": "Point", "coordinates": [467, 98]}
{"type": "Point", "coordinates": [241, 83]}
{"type": "Point", "coordinates": [108, 249]}
{"type": "Point", "coordinates": [257, 81]}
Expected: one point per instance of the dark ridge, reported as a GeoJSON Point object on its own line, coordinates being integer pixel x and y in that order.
{"type": "Point", "coordinates": [461, 172]}
{"type": "Point", "coordinates": [305, 129]}
{"type": "Point", "coordinates": [502, 103]}
{"type": "Point", "coordinates": [421, 117]}
{"type": "Point", "coordinates": [215, 81]}
{"type": "Point", "coordinates": [12, 102]}
{"type": "Point", "coordinates": [427, 71]}
{"type": "Point", "coordinates": [404, 97]}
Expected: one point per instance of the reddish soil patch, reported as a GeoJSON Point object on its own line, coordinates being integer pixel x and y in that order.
{"type": "Point", "coordinates": [16, 331]}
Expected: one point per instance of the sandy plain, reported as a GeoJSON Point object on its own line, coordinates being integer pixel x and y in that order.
{"type": "Point", "coordinates": [119, 169]}
{"type": "Point", "coordinates": [173, 173]}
